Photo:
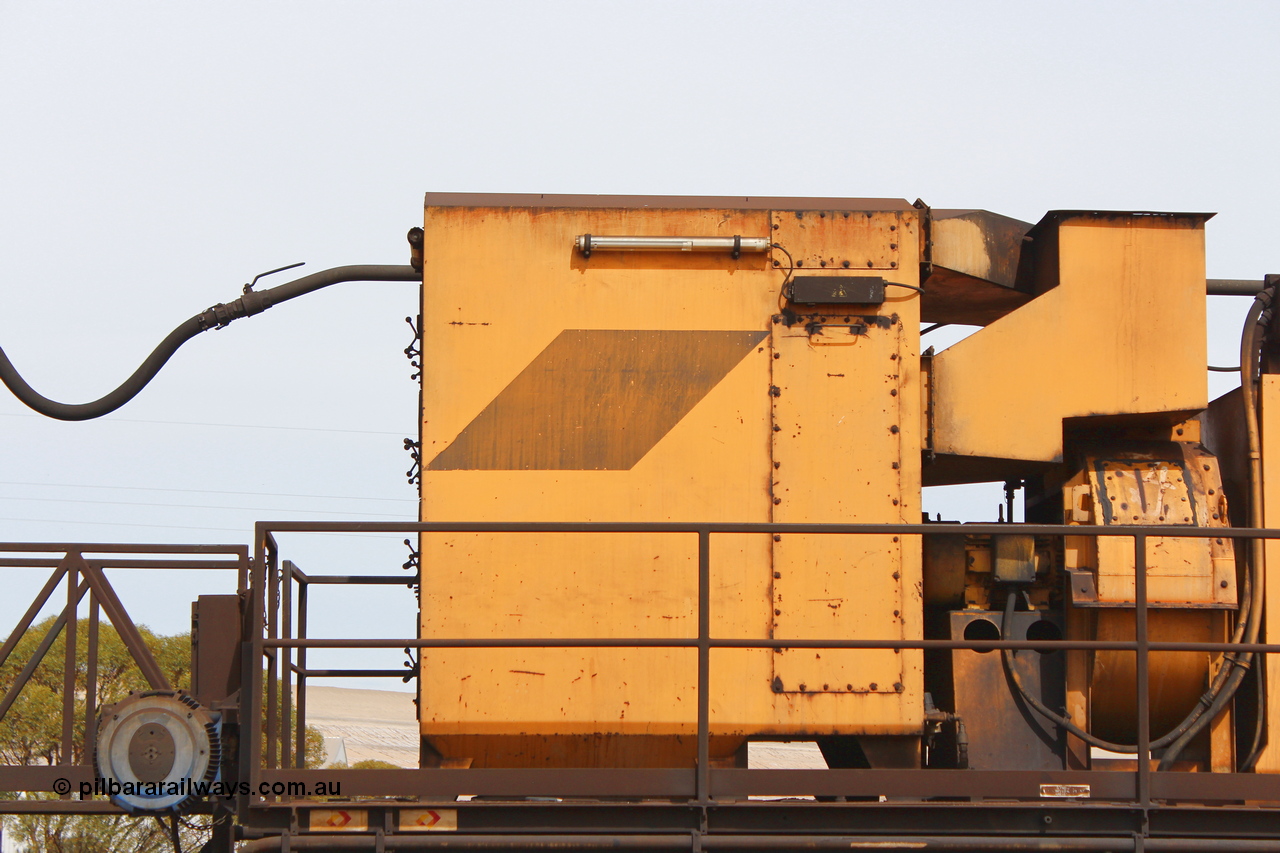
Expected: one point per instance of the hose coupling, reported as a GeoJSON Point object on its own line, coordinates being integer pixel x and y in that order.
{"type": "Point", "coordinates": [221, 315]}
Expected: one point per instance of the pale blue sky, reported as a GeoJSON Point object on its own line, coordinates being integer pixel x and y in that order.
{"type": "Point", "coordinates": [154, 156]}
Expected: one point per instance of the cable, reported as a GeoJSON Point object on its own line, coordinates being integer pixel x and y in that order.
{"type": "Point", "coordinates": [1259, 723]}
{"type": "Point", "coordinates": [783, 294]}
{"type": "Point", "coordinates": [1206, 700]}
{"type": "Point", "coordinates": [220, 315]}
{"type": "Point", "coordinates": [1235, 665]}
{"type": "Point", "coordinates": [203, 491]}
{"type": "Point", "coordinates": [927, 329]}
{"type": "Point", "coordinates": [1006, 630]}
{"type": "Point", "coordinates": [1235, 369]}
{"type": "Point", "coordinates": [903, 284]}
{"type": "Point", "coordinates": [384, 515]}
{"type": "Point", "coordinates": [1251, 340]}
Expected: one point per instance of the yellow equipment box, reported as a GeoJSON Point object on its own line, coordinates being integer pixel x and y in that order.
{"type": "Point", "coordinates": [671, 360]}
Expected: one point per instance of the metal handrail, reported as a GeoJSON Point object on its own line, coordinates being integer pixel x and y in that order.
{"type": "Point", "coordinates": [1141, 644]}
{"type": "Point", "coordinates": [81, 569]}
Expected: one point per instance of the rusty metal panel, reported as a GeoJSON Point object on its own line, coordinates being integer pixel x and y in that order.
{"type": "Point", "coordinates": [1004, 733]}
{"type": "Point", "coordinates": [847, 432]}
{"type": "Point", "coordinates": [840, 239]}
{"type": "Point", "coordinates": [565, 401]}
{"type": "Point", "coordinates": [1013, 558]}
{"type": "Point", "coordinates": [978, 243]}
{"type": "Point", "coordinates": [973, 267]}
{"type": "Point", "coordinates": [1173, 484]}
{"type": "Point", "coordinates": [215, 647]}
{"type": "Point", "coordinates": [1122, 330]}
{"type": "Point", "coordinates": [1269, 423]}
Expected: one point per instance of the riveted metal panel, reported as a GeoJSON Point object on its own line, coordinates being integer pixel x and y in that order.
{"type": "Point", "coordinates": [836, 450]}
{"type": "Point", "coordinates": [833, 240]}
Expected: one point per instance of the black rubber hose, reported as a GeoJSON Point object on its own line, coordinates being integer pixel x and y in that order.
{"type": "Point", "coordinates": [1006, 630]}
{"type": "Point", "coordinates": [1205, 703]}
{"type": "Point", "coordinates": [1250, 354]}
{"type": "Point", "coordinates": [252, 302]}
{"type": "Point", "coordinates": [1235, 666]}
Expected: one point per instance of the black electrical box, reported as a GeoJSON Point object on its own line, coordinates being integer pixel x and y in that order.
{"type": "Point", "coordinates": [837, 290]}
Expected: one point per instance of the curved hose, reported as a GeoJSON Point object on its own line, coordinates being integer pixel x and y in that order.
{"type": "Point", "coordinates": [1250, 353]}
{"type": "Point", "coordinates": [253, 302]}
{"type": "Point", "coordinates": [1006, 626]}
{"type": "Point", "coordinates": [1006, 629]}
{"type": "Point", "coordinates": [1227, 681]}
{"type": "Point", "coordinates": [1203, 705]}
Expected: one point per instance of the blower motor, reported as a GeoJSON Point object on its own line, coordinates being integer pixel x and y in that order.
{"type": "Point", "coordinates": [158, 751]}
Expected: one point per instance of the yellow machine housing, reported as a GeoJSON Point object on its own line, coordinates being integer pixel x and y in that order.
{"type": "Point", "coordinates": [665, 386]}
{"type": "Point", "coordinates": [677, 360]}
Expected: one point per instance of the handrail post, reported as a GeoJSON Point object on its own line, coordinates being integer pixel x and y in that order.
{"type": "Point", "coordinates": [250, 741]}
{"type": "Point", "coordinates": [704, 663]}
{"type": "Point", "coordinates": [273, 658]}
{"type": "Point", "coordinates": [69, 669]}
{"type": "Point", "coordinates": [91, 683]}
{"type": "Point", "coordinates": [300, 752]}
{"type": "Point", "coordinates": [1141, 670]}
{"type": "Point", "coordinates": [286, 686]}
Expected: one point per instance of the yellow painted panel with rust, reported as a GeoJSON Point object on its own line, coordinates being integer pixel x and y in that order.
{"type": "Point", "coordinates": [836, 240]}
{"type": "Point", "coordinates": [1122, 332]}
{"type": "Point", "coordinates": [501, 284]}
{"type": "Point", "coordinates": [839, 458]}
{"type": "Point", "coordinates": [658, 369]}
{"type": "Point", "coordinates": [1172, 484]}
{"type": "Point", "coordinates": [1269, 392]}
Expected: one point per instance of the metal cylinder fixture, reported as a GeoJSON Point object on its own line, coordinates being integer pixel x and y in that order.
{"type": "Point", "coordinates": [1240, 287]}
{"type": "Point", "coordinates": [588, 243]}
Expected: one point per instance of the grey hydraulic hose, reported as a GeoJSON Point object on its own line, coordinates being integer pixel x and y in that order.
{"type": "Point", "coordinates": [252, 302]}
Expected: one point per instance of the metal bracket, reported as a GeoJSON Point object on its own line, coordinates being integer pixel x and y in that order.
{"type": "Point", "coordinates": [411, 564]}
{"type": "Point", "coordinates": [413, 351]}
{"type": "Point", "coordinates": [411, 664]}
{"type": "Point", "coordinates": [926, 243]}
{"type": "Point", "coordinates": [415, 238]}
{"type": "Point", "coordinates": [414, 474]}
{"type": "Point", "coordinates": [926, 373]}
{"type": "Point", "coordinates": [1084, 590]}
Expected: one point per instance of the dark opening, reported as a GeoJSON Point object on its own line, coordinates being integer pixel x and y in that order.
{"type": "Point", "coordinates": [1043, 629]}
{"type": "Point", "coordinates": [981, 629]}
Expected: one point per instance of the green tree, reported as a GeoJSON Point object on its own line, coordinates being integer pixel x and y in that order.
{"type": "Point", "coordinates": [98, 834]}
{"type": "Point", "coordinates": [31, 734]}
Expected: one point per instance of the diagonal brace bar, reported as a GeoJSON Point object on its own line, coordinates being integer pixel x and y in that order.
{"type": "Point", "coordinates": [25, 622]}
{"type": "Point", "coordinates": [124, 625]}
{"type": "Point", "coordinates": [41, 651]}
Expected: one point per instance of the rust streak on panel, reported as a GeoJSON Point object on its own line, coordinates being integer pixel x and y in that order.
{"type": "Point", "coordinates": [596, 399]}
